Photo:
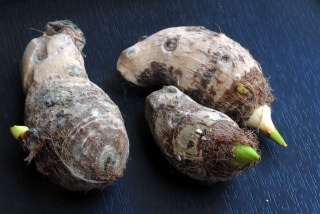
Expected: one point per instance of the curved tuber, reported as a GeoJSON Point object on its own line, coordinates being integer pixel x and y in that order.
{"type": "Point", "coordinates": [200, 142]}
{"type": "Point", "coordinates": [77, 136]}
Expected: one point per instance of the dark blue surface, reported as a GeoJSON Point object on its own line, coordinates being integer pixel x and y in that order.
{"type": "Point", "coordinates": [284, 36]}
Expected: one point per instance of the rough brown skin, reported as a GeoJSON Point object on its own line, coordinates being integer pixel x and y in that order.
{"type": "Point", "coordinates": [206, 65]}
{"type": "Point", "coordinates": [196, 140]}
{"type": "Point", "coordinates": [77, 136]}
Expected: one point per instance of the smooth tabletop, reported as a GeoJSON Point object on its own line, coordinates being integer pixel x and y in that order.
{"type": "Point", "coordinates": [284, 36]}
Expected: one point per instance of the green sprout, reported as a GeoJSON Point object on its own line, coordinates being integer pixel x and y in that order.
{"type": "Point", "coordinates": [18, 131]}
{"type": "Point", "coordinates": [276, 137]}
{"type": "Point", "coordinates": [242, 90]}
{"type": "Point", "coordinates": [245, 154]}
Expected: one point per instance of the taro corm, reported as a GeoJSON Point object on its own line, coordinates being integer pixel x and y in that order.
{"type": "Point", "coordinates": [74, 132]}
{"type": "Point", "coordinates": [202, 143]}
{"type": "Point", "coordinates": [211, 68]}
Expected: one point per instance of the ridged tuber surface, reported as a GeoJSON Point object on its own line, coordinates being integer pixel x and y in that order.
{"type": "Point", "coordinates": [196, 140]}
{"type": "Point", "coordinates": [211, 68]}
{"type": "Point", "coordinates": [77, 136]}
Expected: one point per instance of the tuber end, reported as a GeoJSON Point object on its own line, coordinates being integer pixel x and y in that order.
{"type": "Point", "coordinates": [244, 154]}
{"type": "Point", "coordinates": [18, 131]}
{"type": "Point", "coordinates": [67, 27]}
{"type": "Point", "coordinates": [276, 137]}
{"type": "Point", "coordinates": [261, 120]}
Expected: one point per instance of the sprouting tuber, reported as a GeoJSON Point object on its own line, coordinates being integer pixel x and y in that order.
{"type": "Point", "coordinates": [76, 133]}
{"type": "Point", "coordinates": [209, 67]}
{"type": "Point", "coordinates": [202, 143]}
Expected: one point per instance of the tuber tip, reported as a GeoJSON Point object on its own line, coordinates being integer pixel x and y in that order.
{"type": "Point", "coordinates": [245, 154]}
{"type": "Point", "coordinates": [18, 131]}
{"type": "Point", "coordinates": [276, 137]}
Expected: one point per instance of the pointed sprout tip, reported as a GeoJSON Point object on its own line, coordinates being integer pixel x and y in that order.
{"type": "Point", "coordinates": [245, 154]}
{"type": "Point", "coordinates": [276, 137]}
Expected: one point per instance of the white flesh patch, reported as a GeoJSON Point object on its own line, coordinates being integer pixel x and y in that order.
{"type": "Point", "coordinates": [261, 119]}
{"type": "Point", "coordinates": [95, 112]}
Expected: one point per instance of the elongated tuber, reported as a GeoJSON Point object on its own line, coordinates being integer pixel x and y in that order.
{"type": "Point", "coordinates": [76, 133]}
{"type": "Point", "coordinates": [208, 66]}
{"type": "Point", "coordinates": [202, 143]}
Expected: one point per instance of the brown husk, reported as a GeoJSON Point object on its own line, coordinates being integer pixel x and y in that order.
{"type": "Point", "coordinates": [237, 106]}
{"type": "Point", "coordinates": [217, 152]}
{"type": "Point", "coordinates": [64, 134]}
{"type": "Point", "coordinates": [240, 106]}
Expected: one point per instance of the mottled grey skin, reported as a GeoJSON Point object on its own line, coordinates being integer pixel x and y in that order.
{"type": "Point", "coordinates": [206, 65]}
{"type": "Point", "coordinates": [77, 136]}
{"type": "Point", "coordinates": [196, 140]}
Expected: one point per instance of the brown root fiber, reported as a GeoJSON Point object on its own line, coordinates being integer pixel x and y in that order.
{"type": "Point", "coordinates": [238, 106]}
{"type": "Point", "coordinates": [196, 140]}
